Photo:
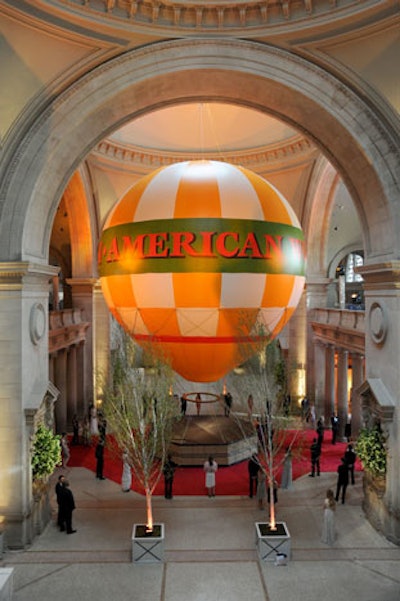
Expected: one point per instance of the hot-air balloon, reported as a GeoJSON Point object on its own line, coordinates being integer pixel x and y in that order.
{"type": "Point", "coordinates": [199, 259]}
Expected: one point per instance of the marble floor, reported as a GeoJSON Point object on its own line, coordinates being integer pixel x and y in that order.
{"type": "Point", "coordinates": [210, 551]}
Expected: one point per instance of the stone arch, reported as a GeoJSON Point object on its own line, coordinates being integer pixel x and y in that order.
{"type": "Point", "coordinates": [82, 225]}
{"type": "Point", "coordinates": [248, 73]}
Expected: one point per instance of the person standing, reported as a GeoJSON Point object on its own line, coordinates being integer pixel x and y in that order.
{"type": "Point", "coordinates": [342, 480]}
{"type": "Point", "coordinates": [59, 488]}
{"type": "Point", "coordinates": [320, 431]}
{"type": "Point", "coordinates": [102, 426]}
{"type": "Point", "coordinates": [261, 488]}
{"type": "Point", "coordinates": [227, 404]}
{"type": "Point", "coordinates": [350, 459]}
{"type": "Point", "coordinates": [65, 449]}
{"type": "Point", "coordinates": [169, 472]}
{"type": "Point", "coordinates": [315, 450]}
{"type": "Point", "coordinates": [67, 507]}
{"type": "Point", "coordinates": [287, 471]}
{"type": "Point", "coordinates": [183, 405]}
{"type": "Point", "coordinates": [94, 425]}
{"type": "Point", "coordinates": [274, 491]}
{"type": "Point", "coordinates": [75, 429]}
{"type": "Point", "coordinates": [86, 431]}
{"type": "Point", "coordinates": [335, 427]}
{"type": "Point", "coordinates": [210, 467]}
{"type": "Point", "coordinates": [126, 479]}
{"type": "Point", "coordinates": [99, 454]}
{"type": "Point", "coordinates": [253, 467]}
{"type": "Point", "coordinates": [198, 403]}
{"type": "Point", "coordinates": [328, 526]}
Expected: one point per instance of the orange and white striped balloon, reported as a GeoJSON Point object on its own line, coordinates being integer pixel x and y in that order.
{"type": "Point", "coordinates": [204, 259]}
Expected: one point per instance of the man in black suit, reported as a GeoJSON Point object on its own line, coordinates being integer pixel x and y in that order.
{"type": "Point", "coordinates": [343, 480]}
{"type": "Point", "coordinates": [99, 454]}
{"type": "Point", "coordinates": [67, 506]}
{"type": "Point", "coordinates": [315, 450]}
{"type": "Point", "coordinates": [253, 468]}
{"type": "Point", "coordinates": [350, 459]}
{"type": "Point", "coordinates": [59, 491]}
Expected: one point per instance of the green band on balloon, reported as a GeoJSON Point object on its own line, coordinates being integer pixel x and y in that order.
{"type": "Point", "coordinates": [205, 245]}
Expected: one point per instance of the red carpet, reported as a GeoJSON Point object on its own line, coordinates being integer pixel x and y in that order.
{"type": "Point", "coordinates": [231, 480]}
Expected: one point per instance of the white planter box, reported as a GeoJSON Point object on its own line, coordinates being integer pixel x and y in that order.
{"type": "Point", "coordinates": [148, 548]}
{"type": "Point", "coordinates": [6, 584]}
{"type": "Point", "coordinates": [270, 544]}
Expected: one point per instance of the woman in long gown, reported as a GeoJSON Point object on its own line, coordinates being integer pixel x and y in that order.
{"type": "Point", "coordinates": [328, 527]}
{"type": "Point", "coordinates": [126, 479]}
{"type": "Point", "coordinates": [287, 476]}
{"type": "Point", "coordinates": [94, 424]}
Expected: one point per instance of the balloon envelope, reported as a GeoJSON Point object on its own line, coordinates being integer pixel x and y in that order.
{"type": "Point", "coordinates": [203, 260]}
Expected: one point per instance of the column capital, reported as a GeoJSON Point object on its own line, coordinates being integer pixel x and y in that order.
{"type": "Point", "coordinates": [381, 275]}
{"type": "Point", "coordinates": [16, 274]}
{"type": "Point", "coordinates": [80, 285]}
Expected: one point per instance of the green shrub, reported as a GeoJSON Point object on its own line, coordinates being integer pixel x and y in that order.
{"type": "Point", "coordinates": [46, 452]}
{"type": "Point", "coordinates": [370, 448]}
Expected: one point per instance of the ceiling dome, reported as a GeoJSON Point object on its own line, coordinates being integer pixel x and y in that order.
{"type": "Point", "coordinates": [204, 127]}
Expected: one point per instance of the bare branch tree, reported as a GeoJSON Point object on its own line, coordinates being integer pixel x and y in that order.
{"type": "Point", "coordinates": [276, 430]}
{"type": "Point", "coordinates": [141, 412]}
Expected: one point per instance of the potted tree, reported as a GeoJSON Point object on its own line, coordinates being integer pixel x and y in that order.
{"type": "Point", "coordinates": [277, 432]}
{"type": "Point", "coordinates": [141, 412]}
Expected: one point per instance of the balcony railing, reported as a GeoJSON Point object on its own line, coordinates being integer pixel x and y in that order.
{"type": "Point", "coordinates": [341, 328]}
{"type": "Point", "coordinates": [66, 328]}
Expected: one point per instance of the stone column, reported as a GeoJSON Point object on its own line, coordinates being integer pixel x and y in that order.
{"type": "Point", "coordinates": [82, 298]}
{"type": "Point", "coordinates": [314, 297]}
{"type": "Point", "coordinates": [72, 385]}
{"type": "Point", "coordinates": [382, 352]}
{"type": "Point", "coordinates": [358, 379]}
{"type": "Point", "coordinates": [24, 379]}
{"type": "Point", "coordinates": [80, 371]}
{"type": "Point", "coordinates": [319, 378]}
{"type": "Point", "coordinates": [61, 384]}
{"type": "Point", "coordinates": [102, 338]}
{"type": "Point", "coordinates": [342, 391]}
{"type": "Point", "coordinates": [329, 383]}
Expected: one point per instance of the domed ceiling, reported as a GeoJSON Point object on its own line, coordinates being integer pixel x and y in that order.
{"type": "Point", "coordinates": [204, 127]}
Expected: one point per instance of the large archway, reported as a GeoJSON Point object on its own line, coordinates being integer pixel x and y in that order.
{"type": "Point", "coordinates": [246, 73]}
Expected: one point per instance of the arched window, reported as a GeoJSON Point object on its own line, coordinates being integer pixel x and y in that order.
{"type": "Point", "coordinates": [352, 261]}
{"type": "Point", "coordinates": [353, 291]}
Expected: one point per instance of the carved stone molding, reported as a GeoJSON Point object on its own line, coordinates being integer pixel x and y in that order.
{"type": "Point", "coordinates": [296, 147]}
{"type": "Point", "coordinates": [211, 15]}
{"type": "Point", "coordinates": [341, 329]}
{"type": "Point", "coordinates": [67, 328]}
{"type": "Point", "coordinates": [37, 322]}
{"type": "Point", "coordinates": [377, 403]}
{"type": "Point", "coordinates": [378, 322]}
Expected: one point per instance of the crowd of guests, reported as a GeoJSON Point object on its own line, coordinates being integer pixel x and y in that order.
{"type": "Point", "coordinates": [92, 430]}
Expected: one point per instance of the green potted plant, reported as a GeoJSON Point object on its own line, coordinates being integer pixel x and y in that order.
{"type": "Point", "coordinates": [46, 455]}
{"type": "Point", "coordinates": [370, 448]}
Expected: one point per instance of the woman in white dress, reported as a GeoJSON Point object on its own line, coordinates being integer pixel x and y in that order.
{"type": "Point", "coordinates": [210, 467]}
{"type": "Point", "coordinates": [126, 480]}
{"type": "Point", "coordinates": [328, 527]}
{"type": "Point", "coordinates": [94, 425]}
